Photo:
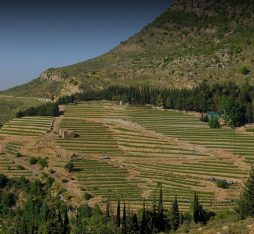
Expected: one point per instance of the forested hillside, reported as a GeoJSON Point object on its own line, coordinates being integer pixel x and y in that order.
{"type": "Point", "coordinates": [191, 42]}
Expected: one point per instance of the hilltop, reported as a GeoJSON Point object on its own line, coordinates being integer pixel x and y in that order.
{"type": "Point", "coordinates": [191, 42]}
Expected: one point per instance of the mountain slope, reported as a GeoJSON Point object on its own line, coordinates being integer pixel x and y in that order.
{"type": "Point", "coordinates": [191, 42]}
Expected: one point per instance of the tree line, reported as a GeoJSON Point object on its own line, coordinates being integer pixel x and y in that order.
{"type": "Point", "coordinates": [233, 102]}
{"type": "Point", "coordinates": [42, 213]}
{"type": "Point", "coordinates": [48, 109]}
{"type": "Point", "coordinates": [31, 208]}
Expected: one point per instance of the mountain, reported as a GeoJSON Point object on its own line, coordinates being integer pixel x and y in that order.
{"type": "Point", "coordinates": [193, 41]}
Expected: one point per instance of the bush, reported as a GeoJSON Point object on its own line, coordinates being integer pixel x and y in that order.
{"type": "Point", "coordinates": [69, 166]}
{"type": "Point", "coordinates": [3, 181]}
{"type": "Point", "coordinates": [33, 160]}
{"type": "Point", "coordinates": [20, 167]}
{"type": "Point", "coordinates": [244, 70]}
{"type": "Point", "coordinates": [18, 155]}
{"type": "Point", "coordinates": [42, 162]}
{"type": "Point", "coordinates": [65, 181]}
{"type": "Point", "coordinates": [88, 196]}
{"type": "Point", "coordinates": [222, 184]}
{"type": "Point", "coordinates": [214, 123]}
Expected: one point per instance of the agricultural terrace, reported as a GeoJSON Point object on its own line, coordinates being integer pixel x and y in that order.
{"type": "Point", "coordinates": [8, 166]}
{"type": "Point", "coordinates": [27, 126]}
{"type": "Point", "coordinates": [150, 148]}
{"type": "Point", "coordinates": [188, 128]}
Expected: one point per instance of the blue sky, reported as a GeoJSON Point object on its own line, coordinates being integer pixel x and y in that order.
{"type": "Point", "coordinates": [36, 35]}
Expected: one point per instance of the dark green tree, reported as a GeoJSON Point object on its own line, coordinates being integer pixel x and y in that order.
{"type": "Point", "coordinates": [233, 112]}
{"type": "Point", "coordinates": [107, 216]}
{"type": "Point", "coordinates": [248, 195]}
{"type": "Point", "coordinates": [195, 208]}
{"type": "Point", "coordinates": [66, 227]}
{"type": "Point", "coordinates": [175, 215]}
{"type": "Point", "coordinates": [241, 208]}
{"type": "Point", "coordinates": [118, 215]}
{"type": "Point", "coordinates": [214, 123]}
{"type": "Point", "coordinates": [124, 221]}
{"type": "Point", "coordinates": [160, 216]}
{"type": "Point", "coordinates": [143, 225]}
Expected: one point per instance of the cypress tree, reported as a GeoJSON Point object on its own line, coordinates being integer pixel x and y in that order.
{"type": "Point", "coordinates": [201, 214]}
{"type": "Point", "coordinates": [118, 218]}
{"type": "Point", "coordinates": [66, 227]}
{"type": "Point", "coordinates": [143, 226]}
{"type": "Point", "coordinates": [241, 208]}
{"type": "Point", "coordinates": [107, 211]}
{"type": "Point", "coordinates": [248, 194]}
{"type": "Point", "coordinates": [124, 221]}
{"type": "Point", "coordinates": [134, 223]}
{"type": "Point", "coordinates": [160, 217]}
{"type": "Point", "coordinates": [195, 208]}
{"type": "Point", "coordinates": [175, 214]}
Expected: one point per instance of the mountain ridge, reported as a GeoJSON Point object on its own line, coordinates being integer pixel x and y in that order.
{"type": "Point", "coordinates": [191, 42]}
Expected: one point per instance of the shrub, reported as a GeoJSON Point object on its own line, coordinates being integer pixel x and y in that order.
{"type": "Point", "coordinates": [88, 196]}
{"type": "Point", "coordinates": [214, 123]}
{"type": "Point", "coordinates": [20, 167]}
{"type": "Point", "coordinates": [33, 160]}
{"type": "Point", "coordinates": [69, 166]}
{"type": "Point", "coordinates": [244, 70]}
{"type": "Point", "coordinates": [222, 184]}
{"type": "Point", "coordinates": [18, 155]}
{"type": "Point", "coordinates": [42, 162]}
{"type": "Point", "coordinates": [65, 181]}
{"type": "Point", "coordinates": [3, 181]}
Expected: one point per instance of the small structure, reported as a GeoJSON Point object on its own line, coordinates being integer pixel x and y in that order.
{"type": "Point", "coordinates": [66, 134]}
{"type": "Point", "coordinates": [212, 114]}
{"type": "Point", "coordinates": [215, 180]}
{"type": "Point", "coordinates": [105, 157]}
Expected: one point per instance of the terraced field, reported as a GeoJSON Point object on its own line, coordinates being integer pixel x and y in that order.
{"type": "Point", "coordinates": [27, 126]}
{"type": "Point", "coordinates": [138, 149]}
{"type": "Point", "coordinates": [8, 166]}
{"type": "Point", "coordinates": [93, 138]}
{"type": "Point", "coordinates": [174, 124]}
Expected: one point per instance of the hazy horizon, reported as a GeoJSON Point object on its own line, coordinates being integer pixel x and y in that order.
{"type": "Point", "coordinates": [36, 36]}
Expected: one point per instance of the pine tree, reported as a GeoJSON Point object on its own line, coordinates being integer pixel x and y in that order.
{"type": "Point", "coordinates": [248, 195]}
{"type": "Point", "coordinates": [175, 214]}
{"type": "Point", "coordinates": [195, 208]}
{"type": "Point", "coordinates": [124, 221]}
{"type": "Point", "coordinates": [118, 218]}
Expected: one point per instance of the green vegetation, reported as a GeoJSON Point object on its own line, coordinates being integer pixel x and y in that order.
{"type": "Point", "coordinates": [244, 70]}
{"type": "Point", "coordinates": [214, 123]}
{"type": "Point", "coordinates": [42, 162]}
{"type": "Point", "coordinates": [9, 106]}
{"type": "Point", "coordinates": [233, 102]}
{"type": "Point", "coordinates": [69, 166]}
{"type": "Point", "coordinates": [49, 109]}
{"type": "Point", "coordinates": [179, 49]}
